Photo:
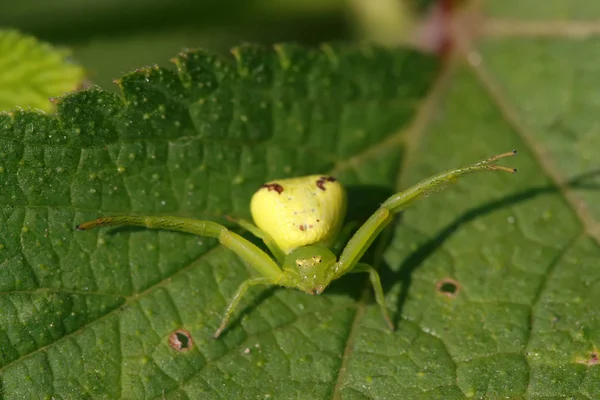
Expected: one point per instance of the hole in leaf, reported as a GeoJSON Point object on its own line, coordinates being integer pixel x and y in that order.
{"type": "Point", "coordinates": [181, 340]}
{"type": "Point", "coordinates": [448, 287]}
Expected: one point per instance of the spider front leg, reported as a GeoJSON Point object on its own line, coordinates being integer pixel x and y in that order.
{"type": "Point", "coordinates": [264, 236]}
{"type": "Point", "coordinates": [366, 234]}
{"type": "Point", "coordinates": [248, 252]}
{"type": "Point", "coordinates": [343, 236]}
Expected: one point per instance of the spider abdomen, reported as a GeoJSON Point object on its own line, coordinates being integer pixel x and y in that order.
{"type": "Point", "coordinates": [300, 211]}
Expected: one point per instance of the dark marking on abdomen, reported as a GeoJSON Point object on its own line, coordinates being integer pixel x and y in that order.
{"type": "Point", "coordinates": [273, 186]}
{"type": "Point", "coordinates": [321, 181]}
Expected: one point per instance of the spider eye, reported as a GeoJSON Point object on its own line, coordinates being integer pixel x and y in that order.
{"type": "Point", "coordinates": [317, 259]}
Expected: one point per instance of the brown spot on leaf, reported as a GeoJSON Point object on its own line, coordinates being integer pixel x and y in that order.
{"type": "Point", "coordinates": [181, 340]}
{"type": "Point", "coordinates": [593, 359]}
{"type": "Point", "coordinates": [302, 227]}
{"type": "Point", "coordinates": [273, 186]}
{"type": "Point", "coordinates": [321, 181]}
{"type": "Point", "coordinates": [448, 287]}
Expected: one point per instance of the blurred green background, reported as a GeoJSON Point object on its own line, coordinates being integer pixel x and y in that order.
{"type": "Point", "coordinates": [112, 37]}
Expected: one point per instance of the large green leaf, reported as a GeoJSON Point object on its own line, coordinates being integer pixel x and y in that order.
{"type": "Point", "coordinates": [92, 312]}
{"type": "Point", "coordinates": [89, 314]}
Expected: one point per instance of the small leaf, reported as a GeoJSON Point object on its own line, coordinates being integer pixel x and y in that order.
{"type": "Point", "coordinates": [32, 72]}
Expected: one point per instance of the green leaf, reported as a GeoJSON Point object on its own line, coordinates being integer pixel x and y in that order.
{"type": "Point", "coordinates": [90, 314]}
{"type": "Point", "coordinates": [32, 72]}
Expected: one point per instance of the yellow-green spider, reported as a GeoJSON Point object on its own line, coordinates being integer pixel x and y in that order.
{"type": "Point", "coordinates": [300, 221]}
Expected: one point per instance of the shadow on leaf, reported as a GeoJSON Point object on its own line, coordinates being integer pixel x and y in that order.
{"type": "Point", "coordinates": [416, 258]}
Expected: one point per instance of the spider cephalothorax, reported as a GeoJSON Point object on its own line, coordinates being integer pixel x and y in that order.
{"type": "Point", "coordinates": [309, 268]}
{"type": "Point", "coordinates": [300, 220]}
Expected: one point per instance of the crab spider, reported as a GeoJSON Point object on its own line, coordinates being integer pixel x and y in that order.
{"type": "Point", "coordinates": [300, 221]}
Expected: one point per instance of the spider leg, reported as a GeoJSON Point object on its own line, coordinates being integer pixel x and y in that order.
{"type": "Point", "coordinates": [247, 251]}
{"type": "Point", "coordinates": [404, 199]}
{"type": "Point", "coordinates": [236, 300]}
{"type": "Point", "coordinates": [362, 240]}
{"type": "Point", "coordinates": [376, 282]}
{"type": "Point", "coordinates": [343, 236]}
{"type": "Point", "coordinates": [259, 233]}
{"type": "Point", "coordinates": [366, 234]}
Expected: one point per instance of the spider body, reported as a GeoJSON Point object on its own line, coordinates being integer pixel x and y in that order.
{"type": "Point", "coordinates": [300, 221]}
{"type": "Point", "coordinates": [297, 212]}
